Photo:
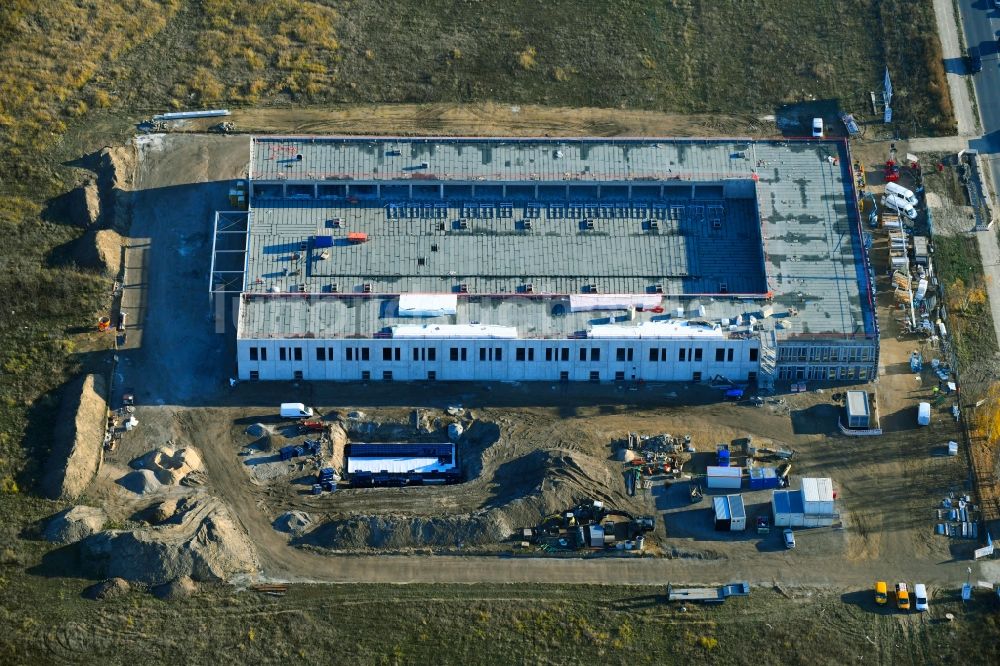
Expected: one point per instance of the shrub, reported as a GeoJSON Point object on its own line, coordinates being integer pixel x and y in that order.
{"type": "Point", "coordinates": [527, 58]}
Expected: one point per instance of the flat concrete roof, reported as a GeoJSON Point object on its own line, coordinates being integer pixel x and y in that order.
{"type": "Point", "coordinates": [336, 159]}
{"type": "Point", "coordinates": [684, 253]}
{"type": "Point", "coordinates": [805, 250]}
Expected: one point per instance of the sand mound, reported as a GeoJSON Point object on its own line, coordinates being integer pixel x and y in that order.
{"type": "Point", "coordinates": [203, 542]}
{"type": "Point", "coordinates": [78, 437]}
{"type": "Point", "coordinates": [181, 588]}
{"type": "Point", "coordinates": [294, 522]}
{"type": "Point", "coordinates": [170, 466]}
{"type": "Point", "coordinates": [141, 482]}
{"type": "Point", "coordinates": [99, 249]}
{"type": "Point", "coordinates": [338, 444]}
{"type": "Point", "coordinates": [107, 589]}
{"type": "Point", "coordinates": [75, 524]}
{"type": "Point", "coordinates": [163, 511]}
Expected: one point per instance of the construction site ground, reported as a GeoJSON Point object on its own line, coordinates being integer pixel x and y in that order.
{"type": "Point", "coordinates": [530, 448]}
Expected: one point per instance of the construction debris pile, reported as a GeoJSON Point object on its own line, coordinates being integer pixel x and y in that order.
{"type": "Point", "coordinates": [652, 455]}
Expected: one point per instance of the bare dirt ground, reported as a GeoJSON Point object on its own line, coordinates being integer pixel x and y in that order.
{"type": "Point", "coordinates": [486, 120]}
{"type": "Point", "coordinates": [532, 449]}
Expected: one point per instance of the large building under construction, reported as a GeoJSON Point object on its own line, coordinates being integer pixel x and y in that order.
{"type": "Point", "coordinates": [548, 259]}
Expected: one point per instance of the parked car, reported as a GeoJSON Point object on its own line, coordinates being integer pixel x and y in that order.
{"type": "Point", "coordinates": [789, 538]}
{"type": "Point", "coordinates": [902, 597]}
{"type": "Point", "coordinates": [818, 132]}
{"type": "Point", "coordinates": [881, 593]}
{"type": "Point", "coordinates": [920, 596]}
{"type": "Point", "coordinates": [975, 60]}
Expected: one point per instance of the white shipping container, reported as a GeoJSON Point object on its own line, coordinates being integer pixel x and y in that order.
{"type": "Point", "coordinates": [724, 477]}
{"type": "Point", "coordinates": [737, 512]}
{"type": "Point", "coordinates": [817, 496]}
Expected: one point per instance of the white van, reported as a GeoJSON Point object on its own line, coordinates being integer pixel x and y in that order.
{"type": "Point", "coordinates": [899, 205]}
{"type": "Point", "coordinates": [901, 192]}
{"type": "Point", "coordinates": [924, 414]}
{"type": "Point", "coordinates": [295, 410]}
{"type": "Point", "coordinates": [920, 597]}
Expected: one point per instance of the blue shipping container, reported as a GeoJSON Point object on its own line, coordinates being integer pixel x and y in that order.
{"type": "Point", "coordinates": [763, 478]}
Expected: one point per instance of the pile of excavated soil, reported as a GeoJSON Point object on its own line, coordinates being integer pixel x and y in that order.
{"type": "Point", "coordinates": [116, 174]}
{"type": "Point", "coordinates": [78, 438]}
{"type": "Point", "coordinates": [163, 511]}
{"type": "Point", "coordinates": [83, 204]}
{"type": "Point", "coordinates": [293, 522]}
{"type": "Point", "coordinates": [75, 524]}
{"type": "Point", "coordinates": [99, 249]}
{"type": "Point", "coordinates": [528, 489]}
{"type": "Point", "coordinates": [141, 482]}
{"type": "Point", "coordinates": [107, 589]}
{"type": "Point", "coordinates": [170, 466]}
{"type": "Point", "coordinates": [181, 588]}
{"type": "Point", "coordinates": [397, 532]}
{"type": "Point", "coordinates": [202, 542]}
{"type": "Point", "coordinates": [338, 444]}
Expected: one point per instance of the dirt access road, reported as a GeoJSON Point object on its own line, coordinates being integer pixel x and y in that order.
{"type": "Point", "coordinates": [890, 485]}
{"type": "Point", "coordinates": [486, 120]}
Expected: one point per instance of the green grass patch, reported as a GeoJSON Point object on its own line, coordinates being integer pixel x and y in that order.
{"type": "Point", "coordinates": [491, 624]}
{"type": "Point", "coordinates": [970, 322]}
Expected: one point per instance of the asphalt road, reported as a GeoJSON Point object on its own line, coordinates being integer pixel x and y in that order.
{"type": "Point", "coordinates": [981, 23]}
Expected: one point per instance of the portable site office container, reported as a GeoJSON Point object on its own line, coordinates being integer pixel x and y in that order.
{"type": "Point", "coordinates": [763, 478]}
{"type": "Point", "coordinates": [724, 477]}
{"type": "Point", "coordinates": [730, 513]}
{"type": "Point", "coordinates": [858, 411]}
{"type": "Point", "coordinates": [723, 519]}
{"type": "Point", "coordinates": [738, 513]}
{"type": "Point", "coordinates": [792, 509]}
{"type": "Point", "coordinates": [787, 508]}
{"type": "Point", "coordinates": [817, 496]}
